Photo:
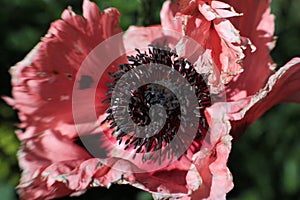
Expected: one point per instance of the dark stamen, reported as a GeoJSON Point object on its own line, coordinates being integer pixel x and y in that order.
{"type": "Point", "coordinates": [151, 94]}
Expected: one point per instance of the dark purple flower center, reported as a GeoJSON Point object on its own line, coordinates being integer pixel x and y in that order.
{"type": "Point", "coordinates": [155, 94]}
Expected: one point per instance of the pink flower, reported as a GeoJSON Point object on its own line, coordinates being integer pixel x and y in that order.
{"type": "Point", "coordinates": [53, 160]}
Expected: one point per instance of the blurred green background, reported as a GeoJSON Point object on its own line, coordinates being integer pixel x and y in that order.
{"type": "Point", "coordinates": [265, 162]}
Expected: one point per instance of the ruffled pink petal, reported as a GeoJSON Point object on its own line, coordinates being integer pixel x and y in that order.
{"type": "Point", "coordinates": [216, 9]}
{"type": "Point", "coordinates": [185, 6]}
{"type": "Point", "coordinates": [209, 25]}
{"type": "Point", "coordinates": [43, 81]}
{"type": "Point", "coordinates": [141, 37]}
{"type": "Point", "coordinates": [40, 152]}
{"type": "Point", "coordinates": [164, 182]}
{"type": "Point", "coordinates": [222, 181]}
{"type": "Point", "coordinates": [258, 26]}
{"type": "Point", "coordinates": [167, 13]}
{"type": "Point", "coordinates": [282, 86]}
{"type": "Point", "coordinates": [208, 176]}
{"type": "Point", "coordinates": [216, 179]}
{"type": "Point", "coordinates": [54, 166]}
{"type": "Point", "coordinates": [42, 192]}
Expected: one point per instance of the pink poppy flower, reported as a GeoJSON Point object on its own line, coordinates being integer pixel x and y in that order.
{"type": "Point", "coordinates": [53, 160]}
